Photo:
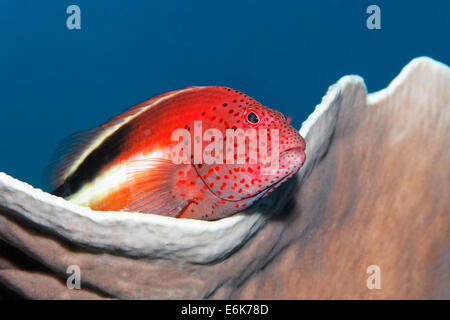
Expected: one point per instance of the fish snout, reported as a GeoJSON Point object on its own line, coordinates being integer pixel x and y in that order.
{"type": "Point", "coordinates": [294, 145]}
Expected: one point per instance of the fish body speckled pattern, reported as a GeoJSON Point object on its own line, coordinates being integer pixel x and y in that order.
{"type": "Point", "coordinates": [127, 163]}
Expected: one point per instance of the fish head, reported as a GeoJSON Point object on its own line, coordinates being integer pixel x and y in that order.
{"type": "Point", "coordinates": [248, 149]}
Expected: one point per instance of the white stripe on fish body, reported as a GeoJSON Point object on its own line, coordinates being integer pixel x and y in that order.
{"type": "Point", "coordinates": [110, 180]}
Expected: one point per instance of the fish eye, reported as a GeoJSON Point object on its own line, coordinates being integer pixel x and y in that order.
{"type": "Point", "coordinates": [252, 117]}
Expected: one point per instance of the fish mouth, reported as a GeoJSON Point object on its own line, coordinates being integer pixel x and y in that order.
{"type": "Point", "coordinates": [298, 151]}
{"type": "Point", "coordinates": [297, 148]}
{"type": "Point", "coordinates": [292, 151]}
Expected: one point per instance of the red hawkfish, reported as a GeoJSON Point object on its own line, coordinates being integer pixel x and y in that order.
{"type": "Point", "coordinates": [127, 164]}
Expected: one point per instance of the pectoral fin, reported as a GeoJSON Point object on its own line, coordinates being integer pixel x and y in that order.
{"type": "Point", "coordinates": [153, 187]}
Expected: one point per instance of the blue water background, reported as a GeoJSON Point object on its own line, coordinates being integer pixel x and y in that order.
{"type": "Point", "coordinates": [55, 81]}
